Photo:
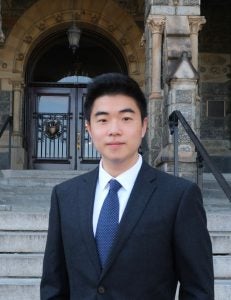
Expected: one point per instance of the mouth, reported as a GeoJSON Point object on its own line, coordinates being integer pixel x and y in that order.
{"type": "Point", "coordinates": [115, 144]}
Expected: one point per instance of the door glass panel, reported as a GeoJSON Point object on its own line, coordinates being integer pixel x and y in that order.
{"type": "Point", "coordinates": [53, 104]}
{"type": "Point", "coordinates": [53, 127]}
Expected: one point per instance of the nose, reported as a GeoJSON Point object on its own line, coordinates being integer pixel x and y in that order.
{"type": "Point", "coordinates": [115, 128]}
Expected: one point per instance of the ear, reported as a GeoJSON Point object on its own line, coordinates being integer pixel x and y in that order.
{"type": "Point", "coordinates": [144, 126]}
{"type": "Point", "coordinates": [88, 127]}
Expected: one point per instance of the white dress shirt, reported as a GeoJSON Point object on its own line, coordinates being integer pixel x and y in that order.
{"type": "Point", "coordinates": [126, 179]}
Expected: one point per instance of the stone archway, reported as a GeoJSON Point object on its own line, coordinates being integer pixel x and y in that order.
{"type": "Point", "coordinates": [105, 17]}
{"type": "Point", "coordinates": [39, 21]}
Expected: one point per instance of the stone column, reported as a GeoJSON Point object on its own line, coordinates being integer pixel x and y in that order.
{"type": "Point", "coordinates": [156, 25]}
{"type": "Point", "coordinates": [2, 36]}
{"type": "Point", "coordinates": [195, 24]}
{"type": "Point", "coordinates": [17, 153]}
{"type": "Point", "coordinates": [17, 106]}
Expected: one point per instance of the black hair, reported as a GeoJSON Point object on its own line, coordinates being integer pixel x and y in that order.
{"type": "Point", "coordinates": [114, 84]}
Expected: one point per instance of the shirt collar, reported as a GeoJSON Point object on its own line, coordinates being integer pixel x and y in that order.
{"type": "Point", "coordinates": [126, 179]}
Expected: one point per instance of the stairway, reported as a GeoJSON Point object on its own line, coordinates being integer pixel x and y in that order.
{"type": "Point", "coordinates": [218, 210]}
{"type": "Point", "coordinates": [24, 205]}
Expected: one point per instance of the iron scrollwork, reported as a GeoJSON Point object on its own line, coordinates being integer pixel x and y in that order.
{"type": "Point", "coordinates": [52, 129]}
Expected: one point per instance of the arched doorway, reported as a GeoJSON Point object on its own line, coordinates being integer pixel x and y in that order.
{"type": "Point", "coordinates": [56, 82]}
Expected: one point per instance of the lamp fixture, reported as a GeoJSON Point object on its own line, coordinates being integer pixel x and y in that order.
{"type": "Point", "coordinates": [73, 34]}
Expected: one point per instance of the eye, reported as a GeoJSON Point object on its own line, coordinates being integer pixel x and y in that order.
{"type": "Point", "coordinates": [126, 119]}
{"type": "Point", "coordinates": [102, 120]}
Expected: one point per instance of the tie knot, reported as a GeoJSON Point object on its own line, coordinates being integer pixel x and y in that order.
{"type": "Point", "coordinates": [114, 185]}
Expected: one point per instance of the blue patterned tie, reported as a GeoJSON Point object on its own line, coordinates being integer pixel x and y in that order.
{"type": "Point", "coordinates": [108, 222]}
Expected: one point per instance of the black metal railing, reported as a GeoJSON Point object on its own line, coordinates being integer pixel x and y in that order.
{"type": "Point", "coordinates": [202, 154]}
{"type": "Point", "coordinates": [8, 123]}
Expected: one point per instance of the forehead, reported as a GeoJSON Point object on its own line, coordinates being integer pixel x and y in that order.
{"type": "Point", "coordinates": [114, 102]}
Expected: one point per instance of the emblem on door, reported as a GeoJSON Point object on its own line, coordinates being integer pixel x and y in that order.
{"type": "Point", "coordinates": [52, 129]}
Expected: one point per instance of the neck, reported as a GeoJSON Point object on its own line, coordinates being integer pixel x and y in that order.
{"type": "Point", "coordinates": [116, 168]}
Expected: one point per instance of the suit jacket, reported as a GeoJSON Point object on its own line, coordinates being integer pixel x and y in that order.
{"type": "Point", "coordinates": [162, 239]}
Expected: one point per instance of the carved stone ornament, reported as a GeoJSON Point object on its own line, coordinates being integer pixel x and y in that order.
{"type": "Point", "coordinates": [78, 14]}
{"type": "Point", "coordinates": [156, 25]}
{"type": "Point", "coordinates": [4, 65]}
{"type": "Point", "coordinates": [41, 26]}
{"type": "Point", "coordinates": [20, 56]}
{"type": "Point", "coordinates": [196, 23]}
{"type": "Point", "coordinates": [28, 39]}
{"type": "Point", "coordinates": [111, 27]}
{"type": "Point", "coordinates": [52, 129]}
{"type": "Point", "coordinates": [124, 41]}
{"type": "Point", "coordinates": [131, 58]}
{"type": "Point", "coordinates": [58, 18]}
{"type": "Point", "coordinates": [143, 41]}
{"type": "Point", "coordinates": [94, 18]}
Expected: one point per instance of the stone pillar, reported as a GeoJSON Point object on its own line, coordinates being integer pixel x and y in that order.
{"type": "Point", "coordinates": [195, 24]}
{"type": "Point", "coordinates": [2, 36]}
{"type": "Point", "coordinates": [17, 153]}
{"type": "Point", "coordinates": [182, 96]}
{"type": "Point", "coordinates": [156, 25]}
{"type": "Point", "coordinates": [154, 33]}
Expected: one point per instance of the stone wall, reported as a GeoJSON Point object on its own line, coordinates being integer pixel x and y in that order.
{"type": "Point", "coordinates": [5, 104]}
{"type": "Point", "coordinates": [215, 90]}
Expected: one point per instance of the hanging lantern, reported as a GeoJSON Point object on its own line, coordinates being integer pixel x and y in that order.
{"type": "Point", "coordinates": [73, 34]}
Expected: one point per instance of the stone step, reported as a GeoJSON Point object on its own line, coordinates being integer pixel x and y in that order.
{"type": "Point", "coordinates": [212, 192]}
{"type": "Point", "coordinates": [222, 289]}
{"type": "Point", "coordinates": [217, 195]}
{"type": "Point", "coordinates": [22, 241]}
{"type": "Point", "coordinates": [28, 288]}
{"type": "Point", "coordinates": [222, 266]}
{"type": "Point", "coordinates": [31, 226]}
{"type": "Point", "coordinates": [21, 265]}
{"type": "Point", "coordinates": [218, 219]}
{"type": "Point", "coordinates": [209, 177]}
{"type": "Point", "coordinates": [34, 242]}
{"type": "Point", "coordinates": [25, 221]}
{"type": "Point", "coordinates": [25, 198]}
{"type": "Point", "coordinates": [221, 242]}
{"type": "Point", "coordinates": [44, 178]}
{"type": "Point", "coordinates": [30, 265]}
{"type": "Point", "coordinates": [219, 226]}
{"type": "Point", "coordinates": [19, 288]}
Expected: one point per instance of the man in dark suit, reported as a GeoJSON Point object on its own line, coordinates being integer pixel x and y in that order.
{"type": "Point", "coordinates": [135, 241]}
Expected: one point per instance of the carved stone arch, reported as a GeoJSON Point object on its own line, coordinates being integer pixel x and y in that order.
{"type": "Point", "coordinates": [105, 17]}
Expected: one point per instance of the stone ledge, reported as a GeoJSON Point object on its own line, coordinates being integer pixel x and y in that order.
{"type": "Point", "coordinates": [18, 289]}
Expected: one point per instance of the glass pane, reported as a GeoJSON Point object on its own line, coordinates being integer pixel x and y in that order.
{"type": "Point", "coordinates": [76, 79]}
{"type": "Point", "coordinates": [53, 104]}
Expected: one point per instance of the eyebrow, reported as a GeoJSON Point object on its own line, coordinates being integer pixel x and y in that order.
{"type": "Point", "coordinates": [125, 110]}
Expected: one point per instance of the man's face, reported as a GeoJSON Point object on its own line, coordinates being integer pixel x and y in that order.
{"type": "Point", "coordinates": [116, 129]}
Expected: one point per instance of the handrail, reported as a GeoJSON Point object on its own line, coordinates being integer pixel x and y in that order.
{"type": "Point", "coordinates": [201, 151]}
{"type": "Point", "coordinates": [9, 120]}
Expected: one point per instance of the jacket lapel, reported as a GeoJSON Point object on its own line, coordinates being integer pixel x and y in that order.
{"type": "Point", "coordinates": [85, 208]}
{"type": "Point", "coordinates": [143, 188]}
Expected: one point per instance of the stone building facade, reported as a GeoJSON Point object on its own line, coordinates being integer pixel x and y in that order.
{"type": "Point", "coordinates": [177, 50]}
